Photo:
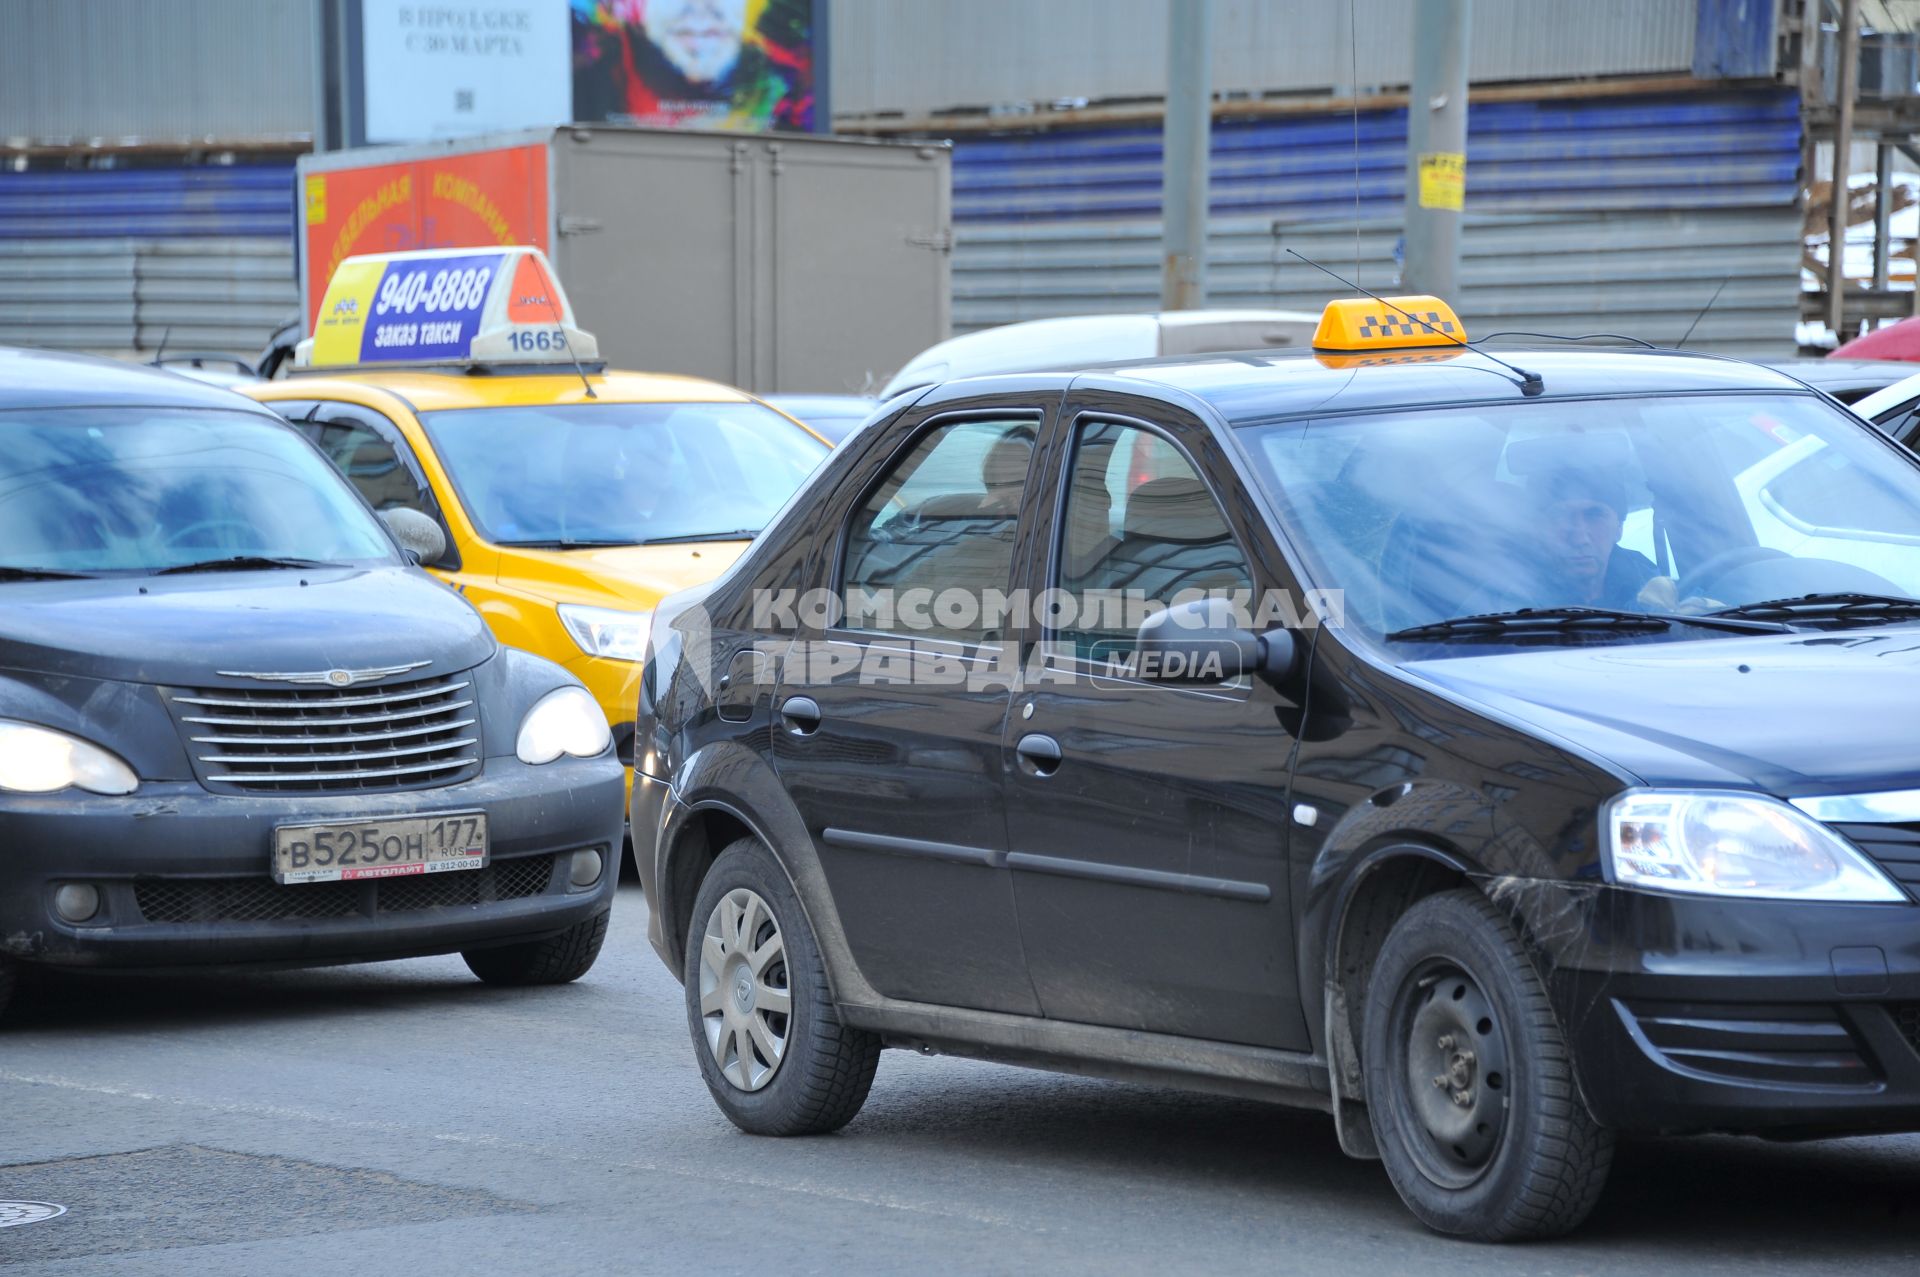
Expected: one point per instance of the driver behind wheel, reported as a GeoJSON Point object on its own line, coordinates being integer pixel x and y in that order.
{"type": "Point", "coordinates": [1580, 512]}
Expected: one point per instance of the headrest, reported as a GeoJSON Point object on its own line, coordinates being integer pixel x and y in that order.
{"type": "Point", "coordinates": [1174, 509]}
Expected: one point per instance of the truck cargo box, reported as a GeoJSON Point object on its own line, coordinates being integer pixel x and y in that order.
{"type": "Point", "coordinates": [777, 263]}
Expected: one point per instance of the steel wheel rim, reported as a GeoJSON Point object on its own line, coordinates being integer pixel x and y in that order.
{"type": "Point", "coordinates": [745, 1003]}
{"type": "Point", "coordinates": [1453, 1062]}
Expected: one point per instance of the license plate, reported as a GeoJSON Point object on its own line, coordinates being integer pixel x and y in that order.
{"type": "Point", "coordinates": [396, 848]}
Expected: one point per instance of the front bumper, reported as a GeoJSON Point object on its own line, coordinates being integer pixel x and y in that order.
{"type": "Point", "coordinates": [1771, 1017]}
{"type": "Point", "coordinates": [183, 880]}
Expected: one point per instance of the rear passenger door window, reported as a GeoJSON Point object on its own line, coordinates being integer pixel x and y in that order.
{"type": "Point", "coordinates": [1139, 530]}
{"type": "Point", "coordinates": [932, 545]}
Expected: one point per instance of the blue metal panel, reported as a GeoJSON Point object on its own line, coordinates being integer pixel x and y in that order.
{"type": "Point", "coordinates": [1684, 151]}
{"type": "Point", "coordinates": [254, 200]}
{"type": "Point", "coordinates": [1734, 39]}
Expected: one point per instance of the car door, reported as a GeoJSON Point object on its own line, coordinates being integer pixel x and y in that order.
{"type": "Point", "coordinates": [1146, 822]}
{"type": "Point", "coordinates": [889, 721]}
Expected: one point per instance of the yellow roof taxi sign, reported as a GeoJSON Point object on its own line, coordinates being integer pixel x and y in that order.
{"type": "Point", "coordinates": [1360, 331]}
{"type": "Point", "coordinates": [445, 305]}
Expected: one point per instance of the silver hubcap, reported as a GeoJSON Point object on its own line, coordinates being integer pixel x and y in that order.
{"type": "Point", "coordinates": [744, 1002]}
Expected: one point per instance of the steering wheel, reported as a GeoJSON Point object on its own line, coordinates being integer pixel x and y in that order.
{"type": "Point", "coordinates": [180, 535]}
{"type": "Point", "coordinates": [1693, 583]}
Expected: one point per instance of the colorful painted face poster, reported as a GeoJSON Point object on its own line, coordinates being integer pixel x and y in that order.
{"type": "Point", "coordinates": [713, 64]}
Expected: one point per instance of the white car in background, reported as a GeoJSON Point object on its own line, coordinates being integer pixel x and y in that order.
{"type": "Point", "coordinates": [1073, 341]}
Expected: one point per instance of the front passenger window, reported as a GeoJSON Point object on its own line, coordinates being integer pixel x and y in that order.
{"type": "Point", "coordinates": [941, 521]}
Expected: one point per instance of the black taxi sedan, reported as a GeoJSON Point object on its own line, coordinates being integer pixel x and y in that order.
{"type": "Point", "coordinates": [1495, 751]}
{"type": "Point", "coordinates": [238, 724]}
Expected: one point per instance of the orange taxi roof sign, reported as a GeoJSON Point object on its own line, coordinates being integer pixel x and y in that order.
{"type": "Point", "coordinates": [1391, 323]}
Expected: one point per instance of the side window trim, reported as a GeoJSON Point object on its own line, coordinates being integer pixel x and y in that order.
{"type": "Point", "coordinates": [1056, 538]}
{"type": "Point", "coordinates": [836, 575]}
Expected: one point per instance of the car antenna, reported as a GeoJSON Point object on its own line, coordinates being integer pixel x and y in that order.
{"type": "Point", "coordinates": [1531, 383]}
{"type": "Point", "coordinates": [554, 308]}
{"type": "Point", "coordinates": [160, 356]}
{"type": "Point", "coordinates": [1703, 312]}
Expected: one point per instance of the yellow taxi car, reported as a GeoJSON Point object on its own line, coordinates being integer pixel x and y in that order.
{"type": "Point", "coordinates": [570, 498]}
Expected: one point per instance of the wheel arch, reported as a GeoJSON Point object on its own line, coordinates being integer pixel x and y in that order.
{"type": "Point", "coordinates": [727, 792]}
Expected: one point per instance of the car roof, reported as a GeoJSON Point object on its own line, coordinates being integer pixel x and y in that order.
{"type": "Point", "coordinates": [1068, 340]}
{"type": "Point", "coordinates": [1845, 374]}
{"type": "Point", "coordinates": [435, 390]}
{"type": "Point", "coordinates": [50, 379]}
{"type": "Point", "coordinates": [1257, 385]}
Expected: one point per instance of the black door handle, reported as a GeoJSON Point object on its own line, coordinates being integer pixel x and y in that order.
{"type": "Point", "coordinates": [1039, 755]}
{"type": "Point", "coordinates": [801, 715]}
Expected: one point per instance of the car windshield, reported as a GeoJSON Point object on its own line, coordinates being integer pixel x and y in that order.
{"type": "Point", "coordinates": [1677, 504]}
{"type": "Point", "coordinates": [622, 474]}
{"type": "Point", "coordinates": [86, 490]}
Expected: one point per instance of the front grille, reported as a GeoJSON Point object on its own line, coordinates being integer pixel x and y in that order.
{"type": "Point", "coordinates": [264, 900]}
{"type": "Point", "coordinates": [1895, 847]}
{"type": "Point", "coordinates": [409, 735]}
{"type": "Point", "coordinates": [1791, 1045]}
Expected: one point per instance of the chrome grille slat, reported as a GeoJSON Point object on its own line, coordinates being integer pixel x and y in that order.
{"type": "Point", "coordinates": [397, 734]}
{"type": "Point", "coordinates": [433, 747]}
{"type": "Point", "coordinates": [313, 702]}
{"type": "Point", "coordinates": [242, 778]}
{"type": "Point", "coordinates": [411, 735]}
{"type": "Point", "coordinates": [353, 721]}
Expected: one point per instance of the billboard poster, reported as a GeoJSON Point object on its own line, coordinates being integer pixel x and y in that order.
{"type": "Point", "coordinates": [712, 64]}
{"type": "Point", "coordinates": [473, 200]}
{"type": "Point", "coordinates": [451, 70]}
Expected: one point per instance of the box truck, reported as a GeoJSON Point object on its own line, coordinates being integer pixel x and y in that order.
{"type": "Point", "coordinates": [778, 263]}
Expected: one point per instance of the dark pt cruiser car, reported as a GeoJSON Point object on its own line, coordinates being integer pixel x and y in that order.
{"type": "Point", "coordinates": [238, 725]}
{"type": "Point", "coordinates": [1498, 755]}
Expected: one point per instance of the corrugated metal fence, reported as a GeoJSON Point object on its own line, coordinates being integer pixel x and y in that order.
{"type": "Point", "coordinates": [911, 59]}
{"type": "Point", "coordinates": [1599, 214]}
{"type": "Point", "coordinates": [199, 258]}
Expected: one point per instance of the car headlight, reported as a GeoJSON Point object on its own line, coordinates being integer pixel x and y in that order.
{"type": "Point", "coordinates": [567, 721]}
{"type": "Point", "coordinates": [602, 631]}
{"type": "Point", "coordinates": [1728, 844]}
{"type": "Point", "coordinates": [39, 760]}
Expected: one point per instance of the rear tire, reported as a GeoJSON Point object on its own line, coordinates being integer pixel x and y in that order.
{"type": "Point", "coordinates": [1470, 1085]}
{"type": "Point", "coordinates": [9, 980]}
{"type": "Point", "coordinates": [555, 960]}
{"type": "Point", "coordinates": [770, 1044]}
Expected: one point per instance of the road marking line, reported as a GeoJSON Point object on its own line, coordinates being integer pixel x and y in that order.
{"type": "Point", "coordinates": [284, 1113]}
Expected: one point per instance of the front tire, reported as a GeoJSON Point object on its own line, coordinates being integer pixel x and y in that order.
{"type": "Point", "coordinates": [771, 1047]}
{"type": "Point", "coordinates": [1470, 1084]}
{"type": "Point", "coordinates": [555, 960]}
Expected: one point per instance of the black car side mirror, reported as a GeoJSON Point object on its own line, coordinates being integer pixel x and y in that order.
{"type": "Point", "coordinates": [1198, 643]}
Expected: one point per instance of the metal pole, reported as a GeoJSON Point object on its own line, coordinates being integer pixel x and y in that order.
{"type": "Point", "coordinates": [1842, 167]}
{"type": "Point", "coordinates": [1882, 214]}
{"type": "Point", "coordinates": [1183, 278]}
{"type": "Point", "coordinates": [1437, 146]}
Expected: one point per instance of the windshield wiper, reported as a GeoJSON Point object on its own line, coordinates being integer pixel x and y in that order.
{"type": "Point", "coordinates": [242, 563]}
{"type": "Point", "coordinates": [735, 534]}
{"type": "Point", "coordinates": [8, 572]}
{"type": "Point", "coordinates": [570, 543]}
{"type": "Point", "coordinates": [1839, 605]}
{"type": "Point", "coordinates": [1561, 620]}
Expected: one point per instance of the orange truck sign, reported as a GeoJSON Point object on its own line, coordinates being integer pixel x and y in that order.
{"type": "Point", "coordinates": [473, 199]}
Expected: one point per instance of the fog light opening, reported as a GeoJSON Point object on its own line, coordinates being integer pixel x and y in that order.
{"type": "Point", "coordinates": [586, 868]}
{"type": "Point", "coordinates": [76, 901]}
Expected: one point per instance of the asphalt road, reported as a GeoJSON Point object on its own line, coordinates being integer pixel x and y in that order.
{"type": "Point", "coordinates": [404, 1119]}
